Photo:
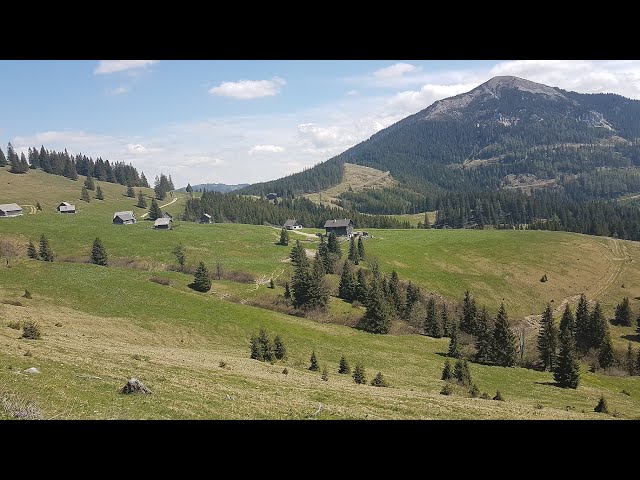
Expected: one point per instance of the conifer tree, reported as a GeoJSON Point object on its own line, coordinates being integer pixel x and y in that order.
{"type": "Point", "coordinates": [272, 284]}
{"type": "Point", "coordinates": [379, 381]}
{"type": "Point", "coordinates": [84, 194]}
{"type": "Point", "coordinates": [348, 285]}
{"type": "Point", "coordinates": [468, 320]}
{"type": "Point", "coordinates": [623, 313]}
{"type": "Point", "coordinates": [474, 391]}
{"type": "Point", "coordinates": [447, 373]}
{"type": "Point", "coordinates": [130, 191]}
{"type": "Point", "coordinates": [454, 350]}
{"type": "Point", "coordinates": [45, 253]}
{"type": "Point", "coordinates": [31, 251]}
{"type": "Point", "coordinates": [598, 327]}
{"type": "Point", "coordinates": [461, 372]}
{"type": "Point", "coordinates": [279, 349]}
{"type": "Point", "coordinates": [582, 331]}
{"type": "Point", "coordinates": [256, 351]}
{"type": "Point", "coordinates": [98, 253]}
{"type": "Point", "coordinates": [324, 257]}
{"type": "Point", "coordinates": [395, 293]}
{"type": "Point", "coordinates": [189, 188]}
{"type": "Point", "coordinates": [325, 374]}
{"type": "Point", "coordinates": [180, 253]}
{"type": "Point", "coordinates": [630, 360]}
{"type": "Point", "coordinates": [298, 255]}
{"type": "Point", "coordinates": [284, 237]}
{"type": "Point", "coordinates": [265, 345]}
{"type": "Point", "coordinates": [606, 355]}
{"type": "Point", "coordinates": [427, 223]}
{"type": "Point", "coordinates": [601, 407]}
{"type": "Point", "coordinates": [317, 292]}
{"type": "Point", "coordinates": [287, 292]}
{"type": "Point", "coordinates": [99, 194]}
{"type": "Point", "coordinates": [154, 210]}
{"type": "Point", "coordinates": [362, 287]}
{"type": "Point", "coordinates": [360, 248]}
{"type": "Point", "coordinates": [38, 206]}
{"type": "Point", "coordinates": [201, 281]}
{"type": "Point", "coordinates": [3, 159]}
{"type": "Point", "coordinates": [567, 370]}
{"type": "Point", "coordinates": [353, 252]}
{"type": "Point", "coordinates": [314, 367]}
{"type": "Point", "coordinates": [432, 325]}
{"type": "Point", "coordinates": [333, 245]}
{"type": "Point", "coordinates": [484, 337]}
{"type": "Point", "coordinates": [359, 375]}
{"type": "Point", "coordinates": [344, 368]}
{"type": "Point", "coordinates": [547, 340]}
{"type": "Point", "coordinates": [503, 348]}
{"type": "Point", "coordinates": [377, 318]}
{"type": "Point", "coordinates": [413, 297]}
{"type": "Point", "coordinates": [499, 396]}
{"type": "Point", "coordinates": [88, 183]}
{"type": "Point", "coordinates": [568, 321]}
{"type": "Point", "coordinates": [142, 202]}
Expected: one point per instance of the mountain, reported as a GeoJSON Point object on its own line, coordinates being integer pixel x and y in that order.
{"type": "Point", "coordinates": [215, 187]}
{"type": "Point", "coordinates": [506, 133]}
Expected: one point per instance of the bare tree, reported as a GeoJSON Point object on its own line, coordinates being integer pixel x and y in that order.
{"type": "Point", "coordinates": [8, 250]}
{"type": "Point", "coordinates": [218, 269]}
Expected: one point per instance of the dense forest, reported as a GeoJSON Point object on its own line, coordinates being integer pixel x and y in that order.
{"type": "Point", "coordinates": [66, 165]}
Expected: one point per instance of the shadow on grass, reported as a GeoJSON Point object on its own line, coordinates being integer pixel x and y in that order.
{"type": "Point", "coordinates": [551, 384]}
{"type": "Point", "coordinates": [632, 338]}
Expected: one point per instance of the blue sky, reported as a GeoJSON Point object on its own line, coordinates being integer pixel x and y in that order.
{"type": "Point", "coordinates": [246, 121]}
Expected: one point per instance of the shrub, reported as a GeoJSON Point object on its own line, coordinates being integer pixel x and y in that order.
{"type": "Point", "coordinates": [498, 397]}
{"type": "Point", "coordinates": [544, 278]}
{"type": "Point", "coordinates": [447, 374]}
{"type": "Point", "coordinates": [15, 325]}
{"type": "Point", "coordinates": [379, 381]}
{"type": "Point", "coordinates": [325, 374]}
{"type": "Point", "coordinates": [222, 364]}
{"type": "Point", "coordinates": [484, 396]}
{"type": "Point", "coordinates": [238, 276]}
{"type": "Point", "coordinates": [314, 367]}
{"type": "Point", "coordinates": [279, 349]}
{"type": "Point", "coordinates": [31, 330]}
{"type": "Point", "coordinates": [159, 280]}
{"type": "Point", "coordinates": [285, 371]}
{"type": "Point", "coordinates": [601, 407]}
{"type": "Point", "coordinates": [475, 391]}
{"type": "Point", "coordinates": [447, 389]}
{"type": "Point", "coordinates": [27, 294]}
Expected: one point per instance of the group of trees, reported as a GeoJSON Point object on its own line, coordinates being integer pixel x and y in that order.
{"type": "Point", "coordinates": [162, 186]}
{"type": "Point", "coordinates": [18, 163]}
{"type": "Point", "coordinates": [309, 290]}
{"type": "Point", "coordinates": [266, 350]}
{"type": "Point", "coordinates": [44, 252]}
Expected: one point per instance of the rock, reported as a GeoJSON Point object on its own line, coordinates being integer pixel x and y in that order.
{"type": "Point", "coordinates": [135, 386]}
{"type": "Point", "coordinates": [31, 370]}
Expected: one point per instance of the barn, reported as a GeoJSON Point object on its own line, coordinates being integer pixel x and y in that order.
{"type": "Point", "coordinates": [292, 225]}
{"type": "Point", "coordinates": [124, 218]}
{"type": "Point", "coordinates": [163, 224]}
{"type": "Point", "coordinates": [341, 227]}
{"type": "Point", "coordinates": [206, 218]}
{"type": "Point", "coordinates": [10, 210]}
{"type": "Point", "coordinates": [66, 207]}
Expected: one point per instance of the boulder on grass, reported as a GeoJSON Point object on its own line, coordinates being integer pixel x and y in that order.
{"type": "Point", "coordinates": [135, 386]}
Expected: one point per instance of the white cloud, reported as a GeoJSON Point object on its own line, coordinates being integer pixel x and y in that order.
{"type": "Point", "coordinates": [114, 66]}
{"type": "Point", "coordinates": [323, 137]}
{"type": "Point", "coordinates": [249, 89]}
{"type": "Point", "coordinates": [139, 149]}
{"type": "Point", "coordinates": [353, 93]}
{"type": "Point", "coordinates": [396, 70]}
{"type": "Point", "coordinates": [118, 91]}
{"type": "Point", "coordinates": [266, 149]}
{"type": "Point", "coordinates": [412, 101]}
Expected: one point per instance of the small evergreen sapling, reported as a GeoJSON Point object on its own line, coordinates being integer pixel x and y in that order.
{"type": "Point", "coordinates": [499, 396]}
{"type": "Point", "coordinates": [279, 349]}
{"type": "Point", "coordinates": [31, 251]}
{"type": "Point", "coordinates": [325, 374]}
{"type": "Point", "coordinates": [98, 253]}
{"type": "Point", "coordinates": [602, 407]}
{"type": "Point", "coordinates": [99, 194]}
{"type": "Point", "coordinates": [314, 367]}
{"type": "Point", "coordinates": [201, 281]}
{"type": "Point", "coordinates": [344, 368]}
{"type": "Point", "coordinates": [379, 381]}
{"type": "Point", "coordinates": [359, 375]}
{"type": "Point", "coordinates": [447, 373]}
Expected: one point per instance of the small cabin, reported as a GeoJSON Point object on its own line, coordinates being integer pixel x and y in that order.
{"type": "Point", "coordinates": [163, 224]}
{"type": "Point", "coordinates": [206, 218]}
{"type": "Point", "coordinates": [66, 207]}
{"type": "Point", "coordinates": [124, 218]}
{"type": "Point", "coordinates": [292, 225]}
{"type": "Point", "coordinates": [10, 210]}
{"type": "Point", "coordinates": [341, 227]}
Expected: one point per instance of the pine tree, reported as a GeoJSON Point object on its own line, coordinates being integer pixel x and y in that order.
{"type": "Point", "coordinates": [503, 348]}
{"type": "Point", "coordinates": [181, 255]}
{"type": "Point", "coordinates": [279, 349]}
{"type": "Point", "coordinates": [547, 340]}
{"type": "Point", "coordinates": [359, 375]}
{"type": "Point", "coordinates": [31, 251]}
{"type": "Point", "coordinates": [606, 355]}
{"type": "Point", "coordinates": [484, 337]}
{"type": "Point", "coordinates": [98, 253]}
{"type": "Point", "coordinates": [344, 368]}
{"type": "Point", "coordinates": [379, 381]}
{"type": "Point", "coordinates": [630, 360]}
{"type": "Point", "coordinates": [461, 372]}
{"type": "Point", "coordinates": [601, 407]}
{"type": "Point", "coordinates": [623, 313]}
{"type": "Point", "coordinates": [325, 374]}
{"type": "Point", "coordinates": [287, 292]}
{"type": "Point", "coordinates": [99, 194]}
{"type": "Point", "coordinates": [582, 331]}
{"type": "Point", "coordinates": [142, 202]}
{"type": "Point", "coordinates": [317, 292]}
{"type": "Point", "coordinates": [45, 253]}
{"type": "Point", "coordinates": [154, 210]}
{"type": "Point", "coordinates": [348, 285]}
{"type": "Point", "coordinates": [88, 183]}
{"type": "Point", "coordinates": [201, 281]}
{"type": "Point", "coordinates": [84, 194]}
{"type": "Point", "coordinates": [284, 237]}
{"type": "Point", "coordinates": [360, 248]}
{"type": "Point", "coordinates": [130, 191]}
{"type": "Point", "coordinates": [314, 367]}
{"type": "Point", "coordinates": [568, 321]}
{"type": "Point", "coordinates": [447, 373]}
{"type": "Point", "coordinates": [567, 370]}
{"type": "Point", "coordinates": [454, 350]}
{"type": "Point", "coordinates": [353, 252]}
{"type": "Point", "coordinates": [265, 345]}
{"type": "Point", "coordinates": [377, 318]}
{"type": "Point", "coordinates": [333, 245]}
{"type": "Point", "coordinates": [468, 320]}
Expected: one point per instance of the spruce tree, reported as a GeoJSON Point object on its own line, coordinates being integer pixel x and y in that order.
{"type": "Point", "coordinates": [568, 321]}
{"type": "Point", "coordinates": [45, 253]}
{"type": "Point", "coordinates": [154, 211]}
{"type": "Point", "coordinates": [284, 237]}
{"type": "Point", "coordinates": [503, 348]}
{"type": "Point", "coordinates": [98, 253]}
{"type": "Point", "coordinates": [325, 257]}
{"type": "Point", "coordinates": [395, 293]}
{"type": "Point", "coordinates": [3, 159]}
{"type": "Point", "coordinates": [432, 325]}
{"type": "Point", "coordinates": [333, 245]}
{"type": "Point", "coordinates": [314, 367]}
{"type": "Point", "coordinates": [567, 370]}
{"type": "Point", "coordinates": [256, 351]}
{"type": "Point", "coordinates": [201, 281]}
{"type": "Point", "coordinates": [484, 337]}
{"type": "Point", "coordinates": [99, 194]}
{"type": "Point", "coordinates": [623, 313]}
{"type": "Point", "coordinates": [427, 223]}
{"type": "Point", "coordinates": [265, 345]}
{"type": "Point", "coordinates": [547, 340]}
{"type": "Point", "coordinates": [84, 194]}
{"type": "Point", "coordinates": [447, 373]}
{"type": "Point", "coordinates": [317, 293]}
{"type": "Point", "coordinates": [325, 374]}
{"type": "Point", "coordinates": [474, 391]}
{"type": "Point", "coordinates": [362, 286]}
{"type": "Point", "coordinates": [189, 188]}
{"type": "Point", "coordinates": [468, 320]}
{"type": "Point", "coordinates": [130, 191]}
{"type": "Point", "coordinates": [454, 350]}
{"type": "Point", "coordinates": [379, 381]}
{"type": "Point", "coordinates": [142, 202]}
{"type": "Point", "coordinates": [353, 252]}
{"type": "Point", "coordinates": [582, 331]}
{"type": "Point", "coordinates": [298, 255]}
{"type": "Point", "coordinates": [461, 373]}
{"type": "Point", "coordinates": [377, 318]}
{"type": "Point", "coordinates": [601, 407]}
{"type": "Point", "coordinates": [359, 375]}
{"type": "Point", "coordinates": [88, 183]}
{"type": "Point", "coordinates": [31, 251]}
{"type": "Point", "coordinates": [180, 253]}
{"type": "Point", "coordinates": [344, 368]}
{"type": "Point", "coordinates": [279, 349]}
{"type": "Point", "coordinates": [606, 355]}
{"type": "Point", "coordinates": [287, 292]}
{"type": "Point", "coordinates": [347, 286]}
{"type": "Point", "coordinates": [598, 327]}
{"type": "Point", "coordinates": [413, 297]}
{"type": "Point", "coordinates": [360, 248]}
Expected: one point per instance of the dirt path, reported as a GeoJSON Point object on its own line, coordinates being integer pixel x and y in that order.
{"type": "Point", "coordinates": [619, 257]}
{"type": "Point", "coordinates": [175, 199]}
{"type": "Point", "coordinates": [32, 209]}
{"type": "Point", "coordinates": [264, 279]}
{"type": "Point", "coordinates": [308, 235]}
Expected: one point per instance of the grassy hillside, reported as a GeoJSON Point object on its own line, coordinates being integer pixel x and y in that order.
{"type": "Point", "coordinates": [103, 325]}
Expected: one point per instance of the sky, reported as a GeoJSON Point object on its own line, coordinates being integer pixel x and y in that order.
{"type": "Point", "coordinates": [247, 121]}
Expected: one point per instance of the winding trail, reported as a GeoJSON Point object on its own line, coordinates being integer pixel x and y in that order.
{"type": "Point", "coordinates": [32, 209]}
{"type": "Point", "coordinates": [175, 199]}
